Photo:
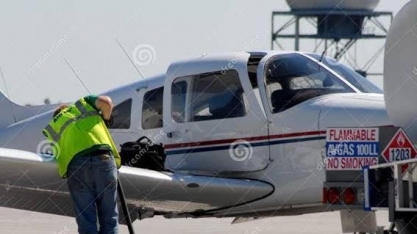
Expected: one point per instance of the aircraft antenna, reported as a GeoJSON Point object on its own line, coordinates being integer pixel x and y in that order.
{"type": "Point", "coordinates": [75, 73]}
{"type": "Point", "coordinates": [130, 59]}
{"type": "Point", "coordinates": [322, 54]}
{"type": "Point", "coordinates": [8, 94]}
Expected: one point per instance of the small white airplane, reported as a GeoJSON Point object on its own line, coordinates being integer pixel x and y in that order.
{"type": "Point", "coordinates": [244, 134]}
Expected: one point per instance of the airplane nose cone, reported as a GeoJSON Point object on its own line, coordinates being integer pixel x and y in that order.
{"type": "Point", "coordinates": [353, 110]}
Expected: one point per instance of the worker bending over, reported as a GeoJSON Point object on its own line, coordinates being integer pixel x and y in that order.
{"type": "Point", "coordinates": [88, 159]}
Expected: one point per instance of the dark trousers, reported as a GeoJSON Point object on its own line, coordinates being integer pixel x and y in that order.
{"type": "Point", "coordinates": [92, 182]}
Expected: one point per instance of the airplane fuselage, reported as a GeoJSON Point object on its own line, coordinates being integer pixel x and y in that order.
{"type": "Point", "coordinates": [260, 116]}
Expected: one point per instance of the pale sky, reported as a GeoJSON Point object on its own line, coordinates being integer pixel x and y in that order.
{"type": "Point", "coordinates": [37, 36]}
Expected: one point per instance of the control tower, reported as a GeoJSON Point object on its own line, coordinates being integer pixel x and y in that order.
{"type": "Point", "coordinates": [335, 27]}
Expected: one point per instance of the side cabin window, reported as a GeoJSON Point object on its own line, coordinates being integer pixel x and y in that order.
{"type": "Point", "coordinates": [178, 100]}
{"type": "Point", "coordinates": [152, 109]}
{"type": "Point", "coordinates": [208, 96]}
{"type": "Point", "coordinates": [293, 78]}
{"type": "Point", "coordinates": [121, 115]}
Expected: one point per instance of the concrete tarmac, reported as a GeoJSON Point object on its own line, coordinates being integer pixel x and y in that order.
{"type": "Point", "coordinates": [22, 222]}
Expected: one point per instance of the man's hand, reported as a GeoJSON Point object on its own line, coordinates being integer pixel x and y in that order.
{"type": "Point", "coordinates": [109, 122]}
{"type": "Point", "coordinates": [105, 105]}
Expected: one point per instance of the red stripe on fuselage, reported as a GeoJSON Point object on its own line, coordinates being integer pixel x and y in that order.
{"type": "Point", "coordinates": [257, 138]}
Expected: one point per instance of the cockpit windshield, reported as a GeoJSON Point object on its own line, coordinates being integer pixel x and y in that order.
{"type": "Point", "coordinates": [294, 78]}
{"type": "Point", "coordinates": [357, 80]}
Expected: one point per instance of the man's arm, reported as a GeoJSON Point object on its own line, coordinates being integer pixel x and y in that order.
{"type": "Point", "coordinates": [105, 105]}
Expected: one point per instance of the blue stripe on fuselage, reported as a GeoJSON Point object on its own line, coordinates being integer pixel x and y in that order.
{"type": "Point", "coordinates": [256, 144]}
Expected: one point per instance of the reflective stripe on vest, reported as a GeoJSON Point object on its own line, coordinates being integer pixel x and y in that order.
{"type": "Point", "coordinates": [84, 114]}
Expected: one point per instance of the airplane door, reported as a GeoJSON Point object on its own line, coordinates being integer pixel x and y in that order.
{"type": "Point", "coordinates": [294, 137]}
{"type": "Point", "coordinates": [214, 122]}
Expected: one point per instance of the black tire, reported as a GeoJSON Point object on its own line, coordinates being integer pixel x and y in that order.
{"type": "Point", "coordinates": [407, 226]}
{"type": "Point", "coordinates": [390, 232]}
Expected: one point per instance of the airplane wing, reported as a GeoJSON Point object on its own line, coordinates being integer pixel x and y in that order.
{"type": "Point", "coordinates": [31, 182]}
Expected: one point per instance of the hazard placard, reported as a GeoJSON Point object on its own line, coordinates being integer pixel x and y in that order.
{"type": "Point", "coordinates": [351, 148]}
{"type": "Point", "coordinates": [399, 148]}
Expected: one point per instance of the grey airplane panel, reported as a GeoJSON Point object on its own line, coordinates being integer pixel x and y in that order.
{"type": "Point", "coordinates": [31, 182]}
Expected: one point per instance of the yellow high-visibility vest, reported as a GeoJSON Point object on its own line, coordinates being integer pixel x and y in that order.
{"type": "Point", "coordinates": [76, 130]}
